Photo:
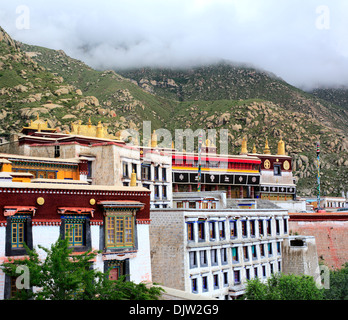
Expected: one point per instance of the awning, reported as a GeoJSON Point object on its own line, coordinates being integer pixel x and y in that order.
{"type": "Point", "coordinates": [10, 211]}
{"type": "Point", "coordinates": [76, 210]}
{"type": "Point", "coordinates": [122, 204]}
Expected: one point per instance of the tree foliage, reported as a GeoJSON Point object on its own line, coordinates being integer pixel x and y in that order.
{"type": "Point", "coordinates": [63, 275]}
{"type": "Point", "coordinates": [338, 284]}
{"type": "Point", "coordinates": [284, 287]}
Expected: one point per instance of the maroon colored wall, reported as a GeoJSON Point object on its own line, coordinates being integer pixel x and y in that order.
{"type": "Point", "coordinates": [55, 198]}
{"type": "Point", "coordinates": [331, 234]}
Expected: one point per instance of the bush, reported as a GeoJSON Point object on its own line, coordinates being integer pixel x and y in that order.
{"type": "Point", "coordinates": [284, 287]}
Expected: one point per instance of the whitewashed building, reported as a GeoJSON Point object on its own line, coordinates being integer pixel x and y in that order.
{"type": "Point", "coordinates": [212, 252]}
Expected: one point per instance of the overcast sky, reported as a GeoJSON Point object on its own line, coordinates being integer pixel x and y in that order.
{"type": "Point", "coordinates": [304, 42]}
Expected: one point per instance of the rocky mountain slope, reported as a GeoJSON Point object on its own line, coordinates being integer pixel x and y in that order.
{"type": "Point", "coordinates": [36, 80]}
{"type": "Point", "coordinates": [337, 96]}
{"type": "Point", "coordinates": [234, 82]}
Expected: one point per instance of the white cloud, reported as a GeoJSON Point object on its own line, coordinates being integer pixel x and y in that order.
{"type": "Point", "coordinates": [281, 36]}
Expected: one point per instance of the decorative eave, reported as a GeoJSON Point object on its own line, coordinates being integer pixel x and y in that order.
{"type": "Point", "coordinates": [10, 211]}
{"type": "Point", "coordinates": [112, 205]}
{"type": "Point", "coordinates": [76, 210]}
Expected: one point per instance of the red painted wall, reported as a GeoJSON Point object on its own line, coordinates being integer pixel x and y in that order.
{"type": "Point", "coordinates": [76, 198]}
{"type": "Point", "coordinates": [330, 232]}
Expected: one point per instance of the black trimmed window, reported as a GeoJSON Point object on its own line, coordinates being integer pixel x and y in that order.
{"type": "Point", "coordinates": [277, 170]}
{"type": "Point", "coordinates": [75, 230]}
{"type": "Point", "coordinates": [75, 226]}
{"type": "Point", "coordinates": [18, 231]}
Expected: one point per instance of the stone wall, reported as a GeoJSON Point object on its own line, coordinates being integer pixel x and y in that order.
{"type": "Point", "coordinates": [299, 255]}
{"type": "Point", "coordinates": [167, 249]}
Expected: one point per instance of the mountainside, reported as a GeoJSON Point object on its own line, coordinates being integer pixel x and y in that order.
{"type": "Point", "coordinates": [121, 100]}
{"type": "Point", "coordinates": [40, 81]}
{"type": "Point", "coordinates": [233, 82]}
{"type": "Point", "coordinates": [337, 96]}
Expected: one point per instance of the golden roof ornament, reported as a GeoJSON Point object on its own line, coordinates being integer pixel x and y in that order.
{"type": "Point", "coordinates": [281, 147]}
{"type": "Point", "coordinates": [254, 149]}
{"type": "Point", "coordinates": [99, 133]}
{"type": "Point", "coordinates": [244, 147]}
{"type": "Point", "coordinates": [38, 125]}
{"type": "Point", "coordinates": [133, 182]}
{"type": "Point", "coordinates": [90, 130]}
{"type": "Point", "coordinates": [266, 150]}
{"type": "Point", "coordinates": [154, 139]}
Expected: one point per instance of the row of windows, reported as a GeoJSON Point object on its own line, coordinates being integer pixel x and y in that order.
{"type": "Point", "coordinates": [146, 173]}
{"type": "Point", "coordinates": [219, 230]}
{"type": "Point", "coordinates": [247, 253]}
{"type": "Point", "coordinates": [208, 204]}
{"type": "Point", "coordinates": [157, 189]}
{"type": "Point", "coordinates": [119, 231]}
{"type": "Point", "coordinates": [220, 279]}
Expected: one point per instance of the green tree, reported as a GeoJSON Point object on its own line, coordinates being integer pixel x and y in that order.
{"type": "Point", "coordinates": [64, 276]}
{"type": "Point", "coordinates": [284, 287]}
{"type": "Point", "coordinates": [338, 284]}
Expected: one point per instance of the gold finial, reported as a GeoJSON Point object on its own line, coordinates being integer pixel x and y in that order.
{"type": "Point", "coordinates": [118, 135]}
{"type": "Point", "coordinates": [281, 147]}
{"type": "Point", "coordinates": [244, 147]}
{"type": "Point", "coordinates": [266, 150]}
{"type": "Point", "coordinates": [89, 122]}
{"type": "Point", "coordinates": [154, 139]}
{"type": "Point", "coordinates": [136, 141]}
{"type": "Point", "coordinates": [173, 146]}
{"type": "Point", "coordinates": [133, 182]}
{"type": "Point", "coordinates": [99, 133]}
{"type": "Point", "coordinates": [254, 149]}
